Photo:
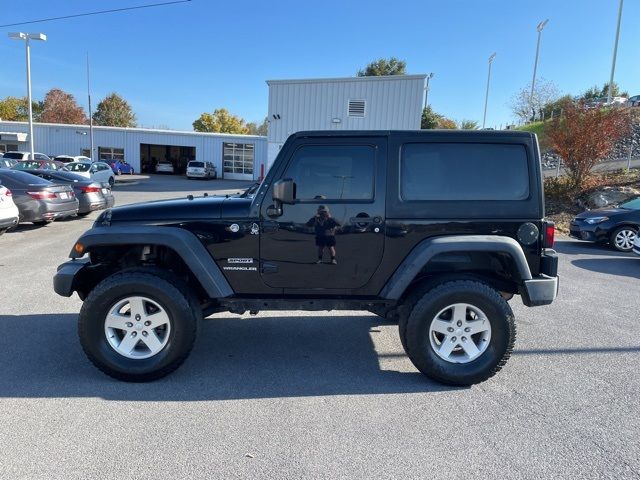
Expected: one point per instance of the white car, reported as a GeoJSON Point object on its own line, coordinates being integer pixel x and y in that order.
{"type": "Point", "coordinates": [9, 215]}
{"type": "Point", "coordinates": [164, 167]}
{"type": "Point", "coordinates": [26, 156]}
{"type": "Point", "coordinates": [197, 169]}
{"type": "Point", "coordinates": [97, 171]}
{"type": "Point", "coordinates": [69, 158]}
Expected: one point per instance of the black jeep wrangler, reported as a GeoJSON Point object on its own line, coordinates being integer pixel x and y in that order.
{"type": "Point", "coordinates": [435, 230]}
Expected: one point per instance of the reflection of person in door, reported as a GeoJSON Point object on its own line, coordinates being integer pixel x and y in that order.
{"type": "Point", "coordinates": [325, 228]}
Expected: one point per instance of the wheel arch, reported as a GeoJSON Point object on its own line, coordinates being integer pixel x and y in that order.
{"type": "Point", "coordinates": [469, 256]}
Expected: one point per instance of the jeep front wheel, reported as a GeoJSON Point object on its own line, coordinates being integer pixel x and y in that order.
{"type": "Point", "coordinates": [137, 326]}
{"type": "Point", "coordinates": [460, 333]}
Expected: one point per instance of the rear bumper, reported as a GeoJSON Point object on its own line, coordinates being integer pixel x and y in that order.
{"type": "Point", "coordinates": [541, 290]}
{"type": "Point", "coordinates": [64, 279]}
{"type": "Point", "coordinates": [8, 222]}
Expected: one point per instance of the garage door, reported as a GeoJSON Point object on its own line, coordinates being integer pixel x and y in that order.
{"type": "Point", "coordinates": [238, 160]}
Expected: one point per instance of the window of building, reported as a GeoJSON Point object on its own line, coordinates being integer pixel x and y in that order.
{"type": "Point", "coordinates": [86, 152]}
{"type": "Point", "coordinates": [357, 108]}
{"type": "Point", "coordinates": [8, 147]}
{"type": "Point", "coordinates": [464, 171]}
{"type": "Point", "coordinates": [238, 157]}
{"type": "Point", "coordinates": [107, 154]}
{"type": "Point", "coordinates": [333, 172]}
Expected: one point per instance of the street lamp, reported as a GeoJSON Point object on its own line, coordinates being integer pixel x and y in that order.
{"type": "Point", "coordinates": [540, 27]}
{"type": "Point", "coordinates": [486, 97]}
{"type": "Point", "coordinates": [615, 53]}
{"type": "Point", "coordinates": [426, 89]}
{"type": "Point", "coordinates": [27, 37]}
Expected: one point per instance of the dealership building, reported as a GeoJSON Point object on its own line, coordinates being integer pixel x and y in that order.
{"type": "Point", "coordinates": [352, 103]}
{"type": "Point", "coordinates": [236, 157]}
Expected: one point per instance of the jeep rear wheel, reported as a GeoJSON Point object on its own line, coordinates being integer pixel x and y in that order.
{"type": "Point", "coordinates": [138, 326]}
{"type": "Point", "coordinates": [460, 333]}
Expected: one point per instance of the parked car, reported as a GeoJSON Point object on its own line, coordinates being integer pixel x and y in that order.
{"type": "Point", "coordinates": [197, 169]}
{"type": "Point", "coordinates": [69, 158]}
{"type": "Point", "coordinates": [91, 195]}
{"type": "Point", "coordinates": [39, 164]}
{"type": "Point", "coordinates": [636, 245]}
{"type": "Point", "coordinates": [18, 155]}
{"type": "Point", "coordinates": [121, 166]}
{"type": "Point", "coordinates": [634, 101]}
{"type": "Point", "coordinates": [96, 171]}
{"type": "Point", "coordinates": [9, 214]}
{"type": "Point", "coordinates": [38, 200]}
{"type": "Point", "coordinates": [617, 226]}
{"type": "Point", "coordinates": [7, 162]}
{"type": "Point", "coordinates": [164, 167]}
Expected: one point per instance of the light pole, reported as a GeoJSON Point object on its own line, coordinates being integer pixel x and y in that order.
{"type": "Point", "coordinates": [540, 27]}
{"type": "Point", "coordinates": [615, 53]}
{"type": "Point", "coordinates": [27, 37]}
{"type": "Point", "coordinates": [486, 97]}
{"type": "Point", "coordinates": [426, 89]}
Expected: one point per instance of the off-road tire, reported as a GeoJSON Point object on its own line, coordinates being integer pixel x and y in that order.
{"type": "Point", "coordinates": [162, 287]}
{"type": "Point", "coordinates": [416, 332]}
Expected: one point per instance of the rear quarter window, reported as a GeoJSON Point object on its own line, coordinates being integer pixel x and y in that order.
{"type": "Point", "coordinates": [463, 171]}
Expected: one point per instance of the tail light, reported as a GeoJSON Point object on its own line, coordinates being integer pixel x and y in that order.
{"type": "Point", "coordinates": [549, 234]}
{"type": "Point", "coordinates": [8, 193]}
{"type": "Point", "coordinates": [90, 189]}
{"type": "Point", "coordinates": [44, 195]}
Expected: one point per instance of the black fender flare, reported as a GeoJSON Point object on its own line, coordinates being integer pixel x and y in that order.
{"type": "Point", "coordinates": [429, 248]}
{"type": "Point", "coordinates": [181, 241]}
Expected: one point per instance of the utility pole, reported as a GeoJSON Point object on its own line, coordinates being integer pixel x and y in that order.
{"type": "Point", "coordinates": [615, 53]}
{"type": "Point", "coordinates": [426, 90]}
{"type": "Point", "coordinates": [90, 113]}
{"type": "Point", "coordinates": [486, 97]}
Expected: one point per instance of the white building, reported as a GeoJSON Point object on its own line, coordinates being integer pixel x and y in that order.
{"type": "Point", "coordinates": [354, 103]}
{"type": "Point", "coordinates": [239, 157]}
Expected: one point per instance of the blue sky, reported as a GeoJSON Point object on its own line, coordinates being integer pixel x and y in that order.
{"type": "Point", "coordinates": [174, 62]}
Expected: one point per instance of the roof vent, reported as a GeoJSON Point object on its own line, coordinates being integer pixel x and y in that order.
{"type": "Point", "coordinates": [356, 108]}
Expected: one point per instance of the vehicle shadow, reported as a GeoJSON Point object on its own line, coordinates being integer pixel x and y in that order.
{"type": "Point", "coordinates": [234, 358]}
{"type": "Point", "coordinates": [624, 266]}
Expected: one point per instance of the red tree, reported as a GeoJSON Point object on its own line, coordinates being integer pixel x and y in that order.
{"type": "Point", "coordinates": [61, 107]}
{"type": "Point", "coordinates": [584, 136]}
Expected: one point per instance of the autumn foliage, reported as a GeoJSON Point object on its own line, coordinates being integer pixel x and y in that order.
{"type": "Point", "coordinates": [584, 136]}
{"type": "Point", "coordinates": [61, 107]}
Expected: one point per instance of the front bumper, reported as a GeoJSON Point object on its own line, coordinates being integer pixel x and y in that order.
{"type": "Point", "coordinates": [598, 232]}
{"type": "Point", "coordinates": [64, 281]}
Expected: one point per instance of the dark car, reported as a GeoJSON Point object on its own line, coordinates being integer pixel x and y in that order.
{"type": "Point", "coordinates": [39, 164]}
{"type": "Point", "coordinates": [617, 226]}
{"type": "Point", "coordinates": [91, 195]}
{"type": "Point", "coordinates": [38, 200]}
{"type": "Point", "coordinates": [435, 230]}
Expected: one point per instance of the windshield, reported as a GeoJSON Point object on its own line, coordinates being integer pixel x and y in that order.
{"type": "Point", "coordinates": [78, 167]}
{"type": "Point", "coordinates": [16, 155]}
{"type": "Point", "coordinates": [631, 204]}
{"type": "Point", "coordinates": [31, 165]}
{"type": "Point", "coordinates": [196, 164]}
{"type": "Point", "coordinates": [15, 179]}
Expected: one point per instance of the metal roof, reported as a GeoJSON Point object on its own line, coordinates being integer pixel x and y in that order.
{"type": "Point", "coordinates": [349, 79]}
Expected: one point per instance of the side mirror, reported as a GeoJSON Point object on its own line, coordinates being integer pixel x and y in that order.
{"type": "Point", "coordinates": [284, 191]}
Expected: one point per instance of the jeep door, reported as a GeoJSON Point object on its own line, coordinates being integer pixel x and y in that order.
{"type": "Point", "coordinates": [339, 202]}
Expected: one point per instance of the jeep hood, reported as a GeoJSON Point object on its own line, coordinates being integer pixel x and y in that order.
{"type": "Point", "coordinates": [163, 212]}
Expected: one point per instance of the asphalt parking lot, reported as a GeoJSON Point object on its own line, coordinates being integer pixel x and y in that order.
{"type": "Point", "coordinates": [318, 395]}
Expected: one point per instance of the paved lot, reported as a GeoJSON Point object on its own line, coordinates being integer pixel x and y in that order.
{"type": "Point", "coordinates": [301, 395]}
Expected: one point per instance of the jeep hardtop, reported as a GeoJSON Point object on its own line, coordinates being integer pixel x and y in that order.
{"type": "Point", "coordinates": [436, 230]}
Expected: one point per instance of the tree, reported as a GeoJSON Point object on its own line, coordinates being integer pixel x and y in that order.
{"type": "Point", "coordinates": [114, 111]}
{"type": "Point", "coordinates": [16, 109]}
{"type": "Point", "coordinates": [61, 107]}
{"type": "Point", "coordinates": [431, 119]}
{"type": "Point", "coordinates": [594, 92]}
{"type": "Point", "coordinates": [262, 129]}
{"type": "Point", "coordinates": [527, 108]}
{"type": "Point", "coordinates": [584, 136]}
{"type": "Point", "coordinates": [468, 125]}
{"type": "Point", "coordinates": [220, 121]}
{"type": "Point", "coordinates": [383, 66]}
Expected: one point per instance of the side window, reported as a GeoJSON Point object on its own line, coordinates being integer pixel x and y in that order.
{"type": "Point", "coordinates": [463, 171]}
{"type": "Point", "coordinates": [333, 172]}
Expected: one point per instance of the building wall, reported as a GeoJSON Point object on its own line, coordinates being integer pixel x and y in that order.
{"type": "Point", "coordinates": [54, 139]}
{"type": "Point", "coordinates": [392, 102]}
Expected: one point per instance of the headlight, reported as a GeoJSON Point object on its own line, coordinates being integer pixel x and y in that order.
{"type": "Point", "coordinates": [594, 220]}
